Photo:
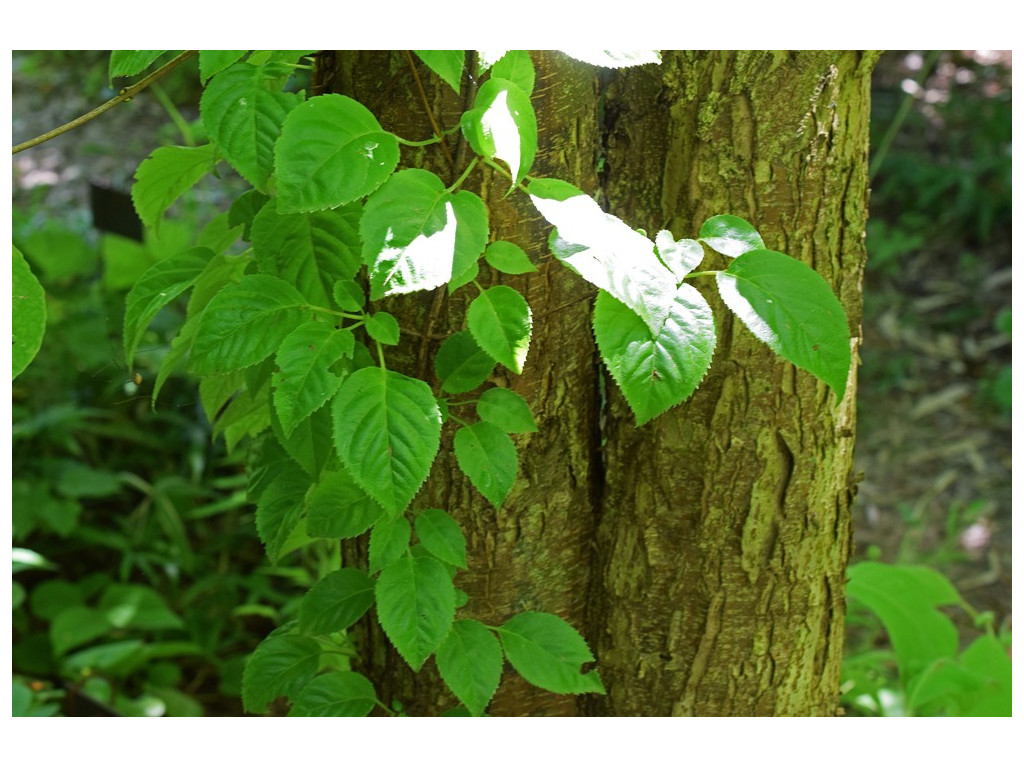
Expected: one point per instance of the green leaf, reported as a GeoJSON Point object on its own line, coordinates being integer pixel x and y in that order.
{"type": "Point", "coordinates": [383, 327]}
{"type": "Point", "coordinates": [516, 66]}
{"type": "Point", "coordinates": [500, 321]}
{"type": "Point", "coordinates": [608, 254]}
{"type": "Point", "coordinates": [281, 665]}
{"type": "Point", "coordinates": [332, 151]}
{"type": "Point", "coordinates": [409, 234]}
{"type": "Point", "coordinates": [28, 314]}
{"type": "Point", "coordinates": [441, 536]}
{"type": "Point", "coordinates": [548, 653]}
{"type": "Point", "coordinates": [488, 457]}
{"type": "Point", "coordinates": [311, 442]}
{"type": "Point", "coordinates": [305, 380]}
{"type": "Point", "coordinates": [387, 429]}
{"type": "Point", "coordinates": [656, 372]}
{"type": "Point", "coordinates": [466, 277]}
{"type": "Point", "coordinates": [165, 175]}
{"type": "Point", "coordinates": [128, 63]}
{"type": "Point", "coordinates": [244, 209]}
{"type": "Point", "coordinates": [77, 626]}
{"type": "Point", "coordinates": [311, 251]}
{"type": "Point", "coordinates": [905, 598]}
{"type": "Point", "coordinates": [244, 118]}
{"type": "Point", "coordinates": [447, 64]}
{"type": "Point", "coordinates": [461, 365]}
{"type": "Point", "coordinates": [472, 231]}
{"type": "Point", "coordinates": [245, 323]}
{"type": "Point", "coordinates": [280, 509]}
{"type": "Point", "coordinates": [791, 308]}
{"type": "Point", "coordinates": [212, 62]}
{"type": "Point", "coordinates": [615, 59]}
{"type": "Point", "coordinates": [509, 258]}
{"type": "Point", "coordinates": [506, 409]}
{"type": "Point", "coordinates": [986, 658]}
{"type": "Point", "coordinates": [53, 596]}
{"type": "Point", "coordinates": [158, 287]}
{"type": "Point", "coordinates": [389, 541]}
{"type": "Point", "coordinates": [731, 235]}
{"type": "Point", "coordinates": [339, 509]}
{"type": "Point", "coordinates": [502, 124]}
{"type": "Point", "coordinates": [681, 257]}
{"type": "Point", "coordinates": [470, 661]}
{"type": "Point", "coordinates": [335, 694]}
{"type": "Point", "coordinates": [219, 234]}
{"type": "Point", "coordinates": [336, 602]}
{"type": "Point", "coordinates": [416, 606]}
{"type": "Point", "coordinates": [348, 295]}
{"type": "Point", "coordinates": [133, 606]}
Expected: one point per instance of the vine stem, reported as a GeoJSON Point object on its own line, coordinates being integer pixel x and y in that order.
{"type": "Point", "coordinates": [429, 111]}
{"type": "Point", "coordinates": [126, 94]}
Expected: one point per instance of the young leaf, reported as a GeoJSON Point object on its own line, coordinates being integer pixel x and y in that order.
{"type": "Point", "coordinates": [416, 606]}
{"type": "Point", "coordinates": [245, 323]}
{"type": "Point", "coordinates": [336, 602]}
{"type": "Point", "coordinates": [607, 253]}
{"type": "Point", "coordinates": [212, 62]}
{"type": "Point", "coordinates": [305, 380]}
{"type": "Point", "coordinates": [508, 258]}
{"type": "Point", "coordinates": [500, 321]}
{"type": "Point", "coordinates": [309, 250]}
{"type": "Point", "coordinates": [441, 536]}
{"type": "Point", "coordinates": [791, 308]}
{"type": "Point", "coordinates": [331, 152]}
{"type": "Point", "coordinates": [389, 541]}
{"type": "Point", "coordinates": [158, 287]}
{"type": "Point", "coordinates": [906, 599]}
{"type": "Point", "coordinates": [516, 66]}
{"type": "Point", "coordinates": [337, 508]}
{"type": "Point", "coordinates": [281, 665]}
{"type": "Point", "coordinates": [28, 314]}
{"type": "Point", "coordinates": [506, 410]}
{"type": "Point", "coordinates": [502, 124]}
{"type": "Point", "coordinates": [461, 365]}
{"type": "Point", "coordinates": [447, 64]}
{"type": "Point", "coordinates": [128, 63]}
{"type": "Point", "coordinates": [244, 117]}
{"type": "Point", "coordinates": [470, 661]}
{"type": "Point", "coordinates": [163, 176]}
{"type": "Point", "coordinates": [408, 231]}
{"type": "Point", "coordinates": [340, 693]}
{"type": "Point", "coordinates": [383, 327]}
{"type": "Point", "coordinates": [730, 235]}
{"type": "Point", "coordinates": [280, 510]}
{"type": "Point", "coordinates": [387, 429]}
{"type": "Point", "coordinates": [348, 295]}
{"type": "Point", "coordinates": [488, 457]}
{"type": "Point", "coordinates": [681, 257]}
{"type": "Point", "coordinates": [656, 372]}
{"type": "Point", "coordinates": [548, 653]}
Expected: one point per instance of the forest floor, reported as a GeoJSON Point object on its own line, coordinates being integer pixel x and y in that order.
{"type": "Point", "coordinates": [934, 452]}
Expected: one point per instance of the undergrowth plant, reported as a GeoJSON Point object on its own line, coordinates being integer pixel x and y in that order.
{"type": "Point", "coordinates": [291, 347]}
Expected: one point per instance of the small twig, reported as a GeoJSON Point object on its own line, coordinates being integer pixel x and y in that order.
{"type": "Point", "coordinates": [430, 113]}
{"type": "Point", "coordinates": [126, 94]}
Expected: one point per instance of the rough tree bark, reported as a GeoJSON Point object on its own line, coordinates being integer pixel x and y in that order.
{"type": "Point", "coordinates": [725, 526]}
{"type": "Point", "coordinates": [702, 555]}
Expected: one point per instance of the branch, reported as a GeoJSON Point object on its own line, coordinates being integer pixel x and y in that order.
{"type": "Point", "coordinates": [126, 94]}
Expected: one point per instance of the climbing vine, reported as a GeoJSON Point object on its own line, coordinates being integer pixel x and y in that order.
{"type": "Point", "coordinates": [291, 347]}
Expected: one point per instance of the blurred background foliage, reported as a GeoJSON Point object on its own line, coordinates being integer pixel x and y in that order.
{"type": "Point", "coordinates": [140, 586]}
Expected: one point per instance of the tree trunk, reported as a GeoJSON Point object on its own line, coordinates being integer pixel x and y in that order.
{"type": "Point", "coordinates": [725, 526]}
{"type": "Point", "coordinates": [535, 552]}
{"type": "Point", "coordinates": [703, 555]}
